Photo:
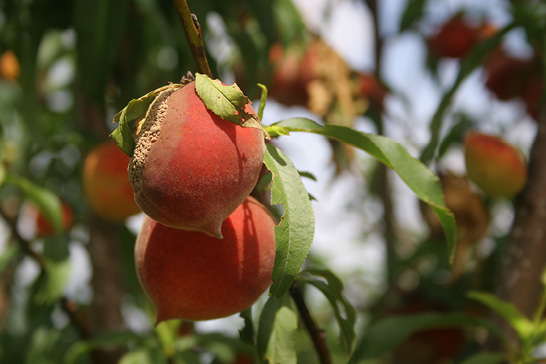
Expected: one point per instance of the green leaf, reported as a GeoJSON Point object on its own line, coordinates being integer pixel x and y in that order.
{"type": "Point", "coordinates": [135, 110]}
{"type": "Point", "coordinates": [48, 202]}
{"type": "Point", "coordinates": [413, 12]}
{"type": "Point", "coordinates": [469, 64]}
{"type": "Point", "coordinates": [277, 330]}
{"type": "Point", "coordinates": [99, 27]}
{"type": "Point", "coordinates": [107, 340]}
{"type": "Point", "coordinates": [263, 101]}
{"type": "Point", "coordinates": [2, 173]}
{"type": "Point", "coordinates": [294, 234]}
{"type": "Point", "coordinates": [521, 324]}
{"type": "Point", "coordinates": [388, 333]}
{"type": "Point", "coordinates": [228, 102]}
{"type": "Point", "coordinates": [8, 254]}
{"type": "Point", "coordinates": [485, 358]}
{"type": "Point", "coordinates": [276, 131]}
{"type": "Point", "coordinates": [246, 333]}
{"type": "Point", "coordinates": [146, 355]}
{"type": "Point", "coordinates": [42, 345]}
{"type": "Point", "coordinates": [415, 174]}
{"type": "Point", "coordinates": [344, 312]}
{"type": "Point", "coordinates": [54, 282]}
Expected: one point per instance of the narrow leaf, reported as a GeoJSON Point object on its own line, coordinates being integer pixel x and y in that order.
{"type": "Point", "coordinates": [469, 64]}
{"type": "Point", "coordinates": [54, 282]}
{"type": "Point", "coordinates": [485, 358]}
{"type": "Point", "coordinates": [520, 323]}
{"type": "Point", "coordinates": [48, 202]}
{"type": "Point", "coordinates": [387, 334]}
{"type": "Point", "coordinates": [105, 340]}
{"type": "Point", "coordinates": [276, 131]}
{"type": "Point", "coordinates": [294, 234]}
{"type": "Point", "coordinates": [277, 330]}
{"type": "Point", "coordinates": [415, 174]}
{"type": "Point", "coordinates": [413, 12]}
{"type": "Point", "coordinates": [263, 101]}
{"type": "Point", "coordinates": [228, 102]}
{"type": "Point", "coordinates": [135, 110]}
{"type": "Point", "coordinates": [344, 312]}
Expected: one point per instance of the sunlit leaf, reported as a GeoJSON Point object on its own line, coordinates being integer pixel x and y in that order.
{"type": "Point", "coordinates": [415, 174]}
{"type": "Point", "coordinates": [294, 234]}
{"type": "Point", "coordinates": [277, 332]}
{"type": "Point", "coordinates": [228, 102]}
{"type": "Point", "coordinates": [520, 323]}
{"type": "Point", "coordinates": [107, 340]}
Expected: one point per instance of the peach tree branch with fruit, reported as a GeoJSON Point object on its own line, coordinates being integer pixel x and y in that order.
{"type": "Point", "coordinates": [196, 151]}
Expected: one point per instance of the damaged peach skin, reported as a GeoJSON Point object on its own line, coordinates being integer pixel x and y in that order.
{"type": "Point", "coordinates": [191, 168]}
{"type": "Point", "coordinates": [192, 276]}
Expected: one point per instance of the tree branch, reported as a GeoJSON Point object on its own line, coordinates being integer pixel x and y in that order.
{"type": "Point", "coordinates": [192, 29]}
{"type": "Point", "coordinates": [520, 276]}
{"type": "Point", "coordinates": [66, 305]}
{"type": "Point", "coordinates": [383, 173]}
{"type": "Point", "coordinates": [317, 335]}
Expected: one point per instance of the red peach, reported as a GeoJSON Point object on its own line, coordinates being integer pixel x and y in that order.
{"type": "Point", "coordinates": [191, 168]}
{"type": "Point", "coordinates": [494, 165]}
{"type": "Point", "coordinates": [106, 184]}
{"type": "Point", "coordinates": [372, 89]}
{"type": "Point", "coordinates": [193, 276]}
{"type": "Point", "coordinates": [9, 66]}
{"type": "Point", "coordinates": [454, 39]}
{"type": "Point", "coordinates": [507, 76]}
{"type": "Point", "coordinates": [44, 226]}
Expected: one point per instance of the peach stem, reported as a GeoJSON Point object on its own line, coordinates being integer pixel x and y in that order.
{"type": "Point", "coordinates": [192, 29]}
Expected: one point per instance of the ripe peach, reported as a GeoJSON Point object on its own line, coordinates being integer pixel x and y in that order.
{"type": "Point", "coordinates": [370, 88]}
{"type": "Point", "coordinates": [191, 168]}
{"type": "Point", "coordinates": [9, 66]}
{"type": "Point", "coordinates": [193, 276]}
{"type": "Point", "coordinates": [44, 226]}
{"type": "Point", "coordinates": [508, 77]}
{"type": "Point", "coordinates": [454, 39]}
{"type": "Point", "coordinates": [106, 185]}
{"type": "Point", "coordinates": [494, 165]}
{"type": "Point", "coordinates": [292, 72]}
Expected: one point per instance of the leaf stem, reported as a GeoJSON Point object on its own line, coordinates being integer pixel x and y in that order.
{"type": "Point", "coordinates": [192, 29]}
{"type": "Point", "coordinates": [317, 335]}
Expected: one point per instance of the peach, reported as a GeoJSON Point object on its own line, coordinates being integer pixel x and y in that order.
{"type": "Point", "coordinates": [494, 165]}
{"type": "Point", "coordinates": [370, 88]}
{"type": "Point", "coordinates": [45, 228]}
{"type": "Point", "coordinates": [193, 276]}
{"type": "Point", "coordinates": [292, 72]}
{"type": "Point", "coordinates": [9, 66]}
{"type": "Point", "coordinates": [106, 184]}
{"type": "Point", "coordinates": [508, 77]}
{"type": "Point", "coordinates": [454, 39]}
{"type": "Point", "coordinates": [191, 168]}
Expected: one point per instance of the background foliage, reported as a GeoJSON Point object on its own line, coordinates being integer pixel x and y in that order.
{"type": "Point", "coordinates": [68, 67]}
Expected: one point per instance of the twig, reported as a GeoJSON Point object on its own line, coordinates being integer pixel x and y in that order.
{"type": "Point", "coordinates": [520, 276]}
{"type": "Point", "coordinates": [317, 335]}
{"type": "Point", "coordinates": [192, 29]}
{"type": "Point", "coordinates": [66, 305]}
{"type": "Point", "coordinates": [23, 243]}
{"type": "Point", "coordinates": [384, 183]}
